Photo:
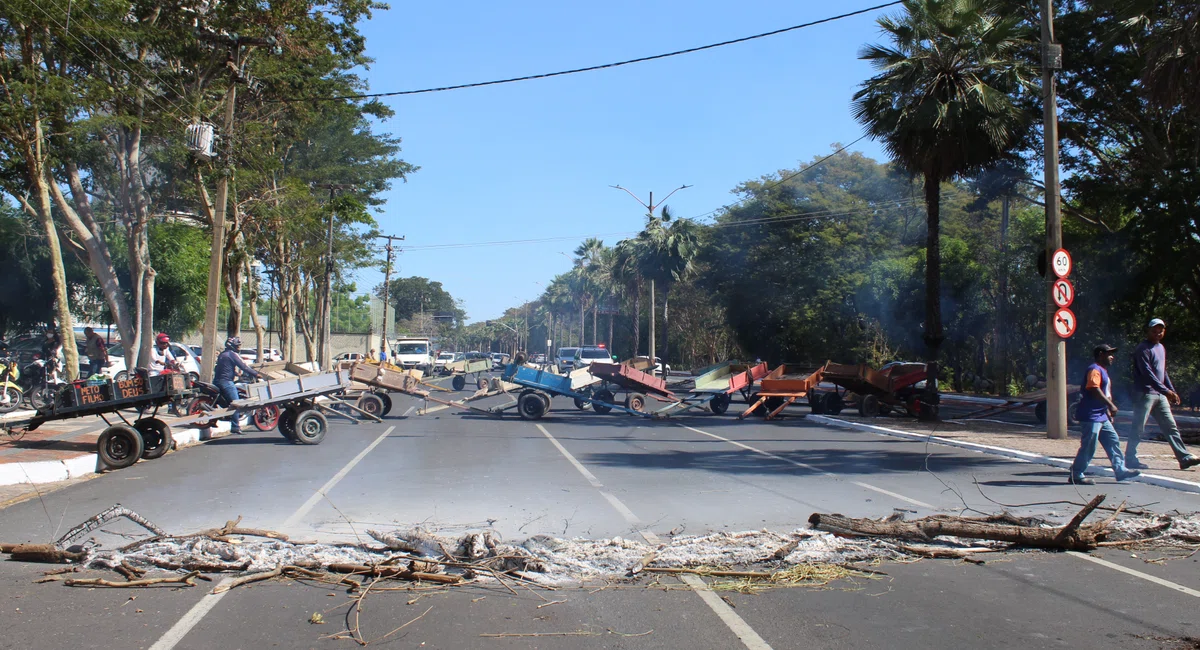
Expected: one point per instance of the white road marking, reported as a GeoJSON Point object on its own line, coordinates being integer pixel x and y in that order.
{"type": "Point", "coordinates": [730, 618]}
{"type": "Point", "coordinates": [210, 600]}
{"type": "Point", "coordinates": [1133, 572]}
{"type": "Point", "coordinates": [818, 470]}
{"type": "Point", "coordinates": [409, 411]}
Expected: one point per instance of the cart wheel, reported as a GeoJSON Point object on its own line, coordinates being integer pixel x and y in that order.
{"type": "Point", "coordinates": [884, 409]}
{"type": "Point", "coordinates": [41, 398]}
{"type": "Point", "coordinates": [531, 406]}
{"type": "Point", "coordinates": [387, 402]}
{"type": "Point", "coordinates": [545, 398]}
{"type": "Point", "coordinates": [459, 382]}
{"type": "Point", "coordinates": [581, 405]}
{"type": "Point", "coordinates": [1040, 412]}
{"type": "Point", "coordinates": [816, 403]}
{"type": "Point", "coordinates": [482, 383]}
{"type": "Point", "coordinates": [929, 412]}
{"type": "Point", "coordinates": [266, 417]}
{"type": "Point", "coordinates": [772, 404]}
{"type": "Point", "coordinates": [119, 446]}
{"type": "Point", "coordinates": [310, 427]}
{"type": "Point", "coordinates": [603, 395]}
{"type": "Point", "coordinates": [720, 404]}
{"type": "Point", "coordinates": [198, 406]}
{"type": "Point", "coordinates": [156, 437]}
{"type": "Point", "coordinates": [636, 402]}
{"type": "Point", "coordinates": [868, 406]}
{"type": "Point", "coordinates": [833, 403]}
{"type": "Point", "coordinates": [1071, 419]}
{"type": "Point", "coordinates": [287, 424]}
{"type": "Point", "coordinates": [371, 403]}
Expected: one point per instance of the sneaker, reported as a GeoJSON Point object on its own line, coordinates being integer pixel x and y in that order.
{"type": "Point", "coordinates": [1189, 461]}
{"type": "Point", "coordinates": [1128, 475]}
{"type": "Point", "coordinates": [239, 432]}
{"type": "Point", "coordinates": [1080, 480]}
{"type": "Point", "coordinates": [1135, 464]}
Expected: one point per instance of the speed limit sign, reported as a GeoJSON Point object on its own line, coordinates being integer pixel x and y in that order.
{"type": "Point", "coordinates": [1065, 323]}
{"type": "Point", "coordinates": [1060, 263]}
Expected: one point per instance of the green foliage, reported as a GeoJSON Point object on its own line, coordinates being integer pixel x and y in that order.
{"type": "Point", "coordinates": [179, 253]}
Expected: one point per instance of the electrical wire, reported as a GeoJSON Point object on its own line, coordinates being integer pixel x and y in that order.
{"type": "Point", "coordinates": [592, 68]}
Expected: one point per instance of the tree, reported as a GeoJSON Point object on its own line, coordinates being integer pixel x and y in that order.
{"type": "Point", "coordinates": [667, 248]}
{"type": "Point", "coordinates": [590, 277]}
{"type": "Point", "coordinates": [944, 106]}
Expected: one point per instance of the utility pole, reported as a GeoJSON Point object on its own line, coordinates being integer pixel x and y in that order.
{"type": "Point", "coordinates": [208, 343]}
{"type": "Point", "coordinates": [650, 207]}
{"type": "Point", "coordinates": [1056, 347]}
{"type": "Point", "coordinates": [387, 286]}
{"type": "Point", "coordinates": [324, 345]}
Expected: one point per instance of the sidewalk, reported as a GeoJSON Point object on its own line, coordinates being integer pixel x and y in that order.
{"type": "Point", "coordinates": [1030, 444]}
{"type": "Point", "coordinates": [66, 449]}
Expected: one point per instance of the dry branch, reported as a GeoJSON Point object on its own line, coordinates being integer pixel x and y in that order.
{"type": "Point", "coordinates": [245, 580]}
{"type": "Point", "coordinates": [41, 553]}
{"type": "Point", "coordinates": [394, 572]}
{"type": "Point", "coordinates": [188, 580]}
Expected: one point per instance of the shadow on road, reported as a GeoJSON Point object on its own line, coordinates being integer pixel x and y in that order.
{"type": "Point", "coordinates": [835, 460]}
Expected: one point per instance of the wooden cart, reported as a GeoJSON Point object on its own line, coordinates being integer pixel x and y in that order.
{"type": "Point", "coordinates": [782, 387]}
{"type": "Point", "coordinates": [896, 386]}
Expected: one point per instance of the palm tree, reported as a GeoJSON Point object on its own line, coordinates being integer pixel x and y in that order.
{"type": "Point", "coordinates": [557, 298]}
{"type": "Point", "coordinates": [626, 272]}
{"type": "Point", "coordinates": [943, 105]}
{"type": "Point", "coordinates": [588, 265]}
{"type": "Point", "coordinates": [668, 256]}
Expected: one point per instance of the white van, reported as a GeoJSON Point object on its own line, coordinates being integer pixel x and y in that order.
{"type": "Point", "coordinates": [412, 352]}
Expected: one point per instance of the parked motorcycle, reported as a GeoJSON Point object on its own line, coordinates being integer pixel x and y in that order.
{"type": "Point", "coordinates": [264, 418]}
{"type": "Point", "coordinates": [41, 381]}
{"type": "Point", "coordinates": [11, 392]}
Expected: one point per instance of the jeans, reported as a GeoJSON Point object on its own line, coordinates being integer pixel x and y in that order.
{"type": "Point", "coordinates": [1146, 404]}
{"type": "Point", "coordinates": [95, 367]}
{"type": "Point", "coordinates": [229, 393]}
{"type": "Point", "coordinates": [1107, 436]}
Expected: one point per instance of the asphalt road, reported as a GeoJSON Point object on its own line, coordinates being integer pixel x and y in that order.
{"type": "Point", "coordinates": [589, 475]}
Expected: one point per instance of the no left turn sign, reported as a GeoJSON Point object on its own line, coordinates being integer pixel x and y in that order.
{"type": "Point", "coordinates": [1064, 323]}
{"type": "Point", "coordinates": [1063, 293]}
{"type": "Point", "coordinates": [1060, 263]}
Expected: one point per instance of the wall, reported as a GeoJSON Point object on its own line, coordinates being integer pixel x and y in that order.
{"type": "Point", "coordinates": [341, 342]}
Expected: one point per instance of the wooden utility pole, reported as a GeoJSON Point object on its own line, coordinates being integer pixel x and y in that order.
{"type": "Point", "coordinates": [325, 343]}
{"type": "Point", "coordinates": [387, 287]}
{"type": "Point", "coordinates": [1056, 347]}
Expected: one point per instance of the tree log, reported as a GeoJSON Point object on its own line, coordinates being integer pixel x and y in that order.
{"type": "Point", "coordinates": [1073, 536]}
{"type": "Point", "coordinates": [42, 553]}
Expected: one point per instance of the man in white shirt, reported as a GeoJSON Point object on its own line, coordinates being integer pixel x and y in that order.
{"type": "Point", "coordinates": [161, 357]}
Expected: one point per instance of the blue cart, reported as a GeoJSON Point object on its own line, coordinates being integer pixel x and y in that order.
{"type": "Point", "coordinates": [540, 385]}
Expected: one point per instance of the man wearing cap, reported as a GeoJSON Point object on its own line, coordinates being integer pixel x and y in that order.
{"type": "Point", "coordinates": [1153, 394]}
{"type": "Point", "coordinates": [1095, 412]}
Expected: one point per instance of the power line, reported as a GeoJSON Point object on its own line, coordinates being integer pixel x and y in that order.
{"type": "Point", "coordinates": [604, 66]}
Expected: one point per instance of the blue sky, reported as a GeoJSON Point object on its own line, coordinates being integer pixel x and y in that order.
{"type": "Point", "coordinates": [535, 159]}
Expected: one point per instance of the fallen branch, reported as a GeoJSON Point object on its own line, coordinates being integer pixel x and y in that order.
{"type": "Point", "coordinates": [710, 572]}
{"type": "Point", "coordinates": [394, 572]}
{"type": "Point", "coordinates": [245, 580]}
{"type": "Point", "coordinates": [41, 553]}
{"type": "Point", "coordinates": [188, 580]}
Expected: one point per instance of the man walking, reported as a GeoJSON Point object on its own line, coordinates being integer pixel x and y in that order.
{"type": "Point", "coordinates": [1095, 413]}
{"type": "Point", "coordinates": [97, 352]}
{"type": "Point", "coordinates": [228, 363]}
{"type": "Point", "coordinates": [1153, 394]}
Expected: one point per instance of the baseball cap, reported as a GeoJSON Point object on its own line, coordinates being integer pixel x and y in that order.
{"type": "Point", "coordinates": [1156, 322]}
{"type": "Point", "coordinates": [1103, 348]}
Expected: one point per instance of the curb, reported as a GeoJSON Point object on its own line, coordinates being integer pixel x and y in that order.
{"type": "Point", "coordinates": [53, 471]}
{"type": "Point", "coordinates": [1028, 457]}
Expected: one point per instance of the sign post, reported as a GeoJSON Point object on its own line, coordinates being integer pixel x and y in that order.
{"type": "Point", "coordinates": [1061, 327]}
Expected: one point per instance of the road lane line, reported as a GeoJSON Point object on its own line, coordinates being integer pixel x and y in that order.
{"type": "Point", "coordinates": [409, 411]}
{"type": "Point", "coordinates": [818, 470]}
{"type": "Point", "coordinates": [730, 618]}
{"type": "Point", "coordinates": [1133, 572]}
{"type": "Point", "coordinates": [210, 600]}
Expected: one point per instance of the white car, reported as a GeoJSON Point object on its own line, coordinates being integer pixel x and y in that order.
{"type": "Point", "coordinates": [443, 358]}
{"type": "Point", "coordinates": [350, 356]}
{"type": "Point", "coordinates": [183, 354]}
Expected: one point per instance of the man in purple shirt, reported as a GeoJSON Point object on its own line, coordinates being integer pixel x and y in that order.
{"type": "Point", "coordinates": [1153, 394]}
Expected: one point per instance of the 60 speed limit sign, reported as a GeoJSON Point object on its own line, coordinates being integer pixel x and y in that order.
{"type": "Point", "coordinates": [1060, 263]}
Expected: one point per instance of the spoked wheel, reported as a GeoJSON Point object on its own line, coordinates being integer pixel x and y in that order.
{"type": "Point", "coordinates": [14, 397]}
{"type": "Point", "coordinates": [311, 426]}
{"type": "Point", "coordinates": [720, 403]}
{"type": "Point", "coordinates": [199, 406]}
{"type": "Point", "coordinates": [266, 417]}
{"type": "Point", "coordinates": [636, 402]}
{"type": "Point", "coordinates": [371, 403]}
{"type": "Point", "coordinates": [459, 382]}
{"type": "Point", "coordinates": [156, 437]}
{"type": "Point", "coordinates": [833, 403]}
{"type": "Point", "coordinates": [482, 383]}
{"type": "Point", "coordinates": [603, 395]}
{"type": "Point", "coordinates": [119, 446]}
{"type": "Point", "coordinates": [387, 402]}
{"type": "Point", "coordinates": [531, 406]}
{"type": "Point", "coordinates": [41, 397]}
{"type": "Point", "coordinates": [287, 424]}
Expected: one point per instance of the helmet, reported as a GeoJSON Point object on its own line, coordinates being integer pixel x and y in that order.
{"type": "Point", "coordinates": [233, 343]}
{"type": "Point", "coordinates": [162, 338]}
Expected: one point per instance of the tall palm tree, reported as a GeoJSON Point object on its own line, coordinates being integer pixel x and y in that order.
{"type": "Point", "coordinates": [668, 256]}
{"type": "Point", "coordinates": [588, 264]}
{"type": "Point", "coordinates": [558, 298]}
{"type": "Point", "coordinates": [944, 105]}
{"type": "Point", "coordinates": [626, 272]}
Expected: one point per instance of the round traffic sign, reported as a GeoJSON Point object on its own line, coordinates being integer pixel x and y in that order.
{"type": "Point", "coordinates": [1063, 292]}
{"type": "Point", "coordinates": [1064, 323]}
{"type": "Point", "coordinates": [1060, 263]}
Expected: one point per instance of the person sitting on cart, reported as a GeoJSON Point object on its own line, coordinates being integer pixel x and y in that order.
{"type": "Point", "coordinates": [228, 364]}
{"type": "Point", "coordinates": [161, 357]}
{"type": "Point", "coordinates": [52, 352]}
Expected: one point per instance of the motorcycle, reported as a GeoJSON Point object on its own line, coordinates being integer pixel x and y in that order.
{"type": "Point", "coordinates": [264, 418]}
{"type": "Point", "coordinates": [12, 393]}
{"type": "Point", "coordinates": [41, 381]}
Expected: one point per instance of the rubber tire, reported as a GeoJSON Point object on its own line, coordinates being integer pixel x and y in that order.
{"type": "Point", "coordinates": [816, 402]}
{"type": "Point", "coordinates": [868, 406]}
{"type": "Point", "coordinates": [720, 403]}
{"type": "Point", "coordinates": [1071, 419]}
{"type": "Point", "coordinates": [636, 402]}
{"type": "Point", "coordinates": [929, 412]}
{"type": "Point", "coordinates": [581, 405]}
{"type": "Point", "coordinates": [119, 446]}
{"type": "Point", "coordinates": [459, 382]}
{"type": "Point", "coordinates": [121, 376]}
{"type": "Point", "coordinates": [1039, 412]}
{"type": "Point", "coordinates": [156, 437]}
{"type": "Point", "coordinates": [15, 395]}
{"type": "Point", "coordinates": [311, 426]}
{"type": "Point", "coordinates": [833, 403]}
{"type": "Point", "coordinates": [772, 404]}
{"type": "Point", "coordinates": [531, 406]}
{"type": "Point", "coordinates": [287, 424]}
{"type": "Point", "coordinates": [387, 402]}
{"type": "Point", "coordinates": [482, 383]}
{"type": "Point", "coordinates": [266, 417]}
{"type": "Point", "coordinates": [884, 409]}
{"type": "Point", "coordinates": [41, 397]}
{"type": "Point", "coordinates": [197, 406]}
{"type": "Point", "coordinates": [603, 395]}
{"type": "Point", "coordinates": [370, 403]}
{"type": "Point", "coordinates": [545, 398]}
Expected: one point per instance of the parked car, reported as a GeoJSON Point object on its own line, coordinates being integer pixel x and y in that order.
{"type": "Point", "coordinates": [183, 354]}
{"type": "Point", "coordinates": [350, 357]}
{"type": "Point", "coordinates": [539, 358]}
{"type": "Point", "coordinates": [499, 360]}
{"type": "Point", "coordinates": [443, 358]}
{"type": "Point", "coordinates": [566, 359]}
{"type": "Point", "coordinates": [586, 355]}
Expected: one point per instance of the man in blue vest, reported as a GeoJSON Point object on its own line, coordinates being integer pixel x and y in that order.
{"type": "Point", "coordinates": [1095, 412]}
